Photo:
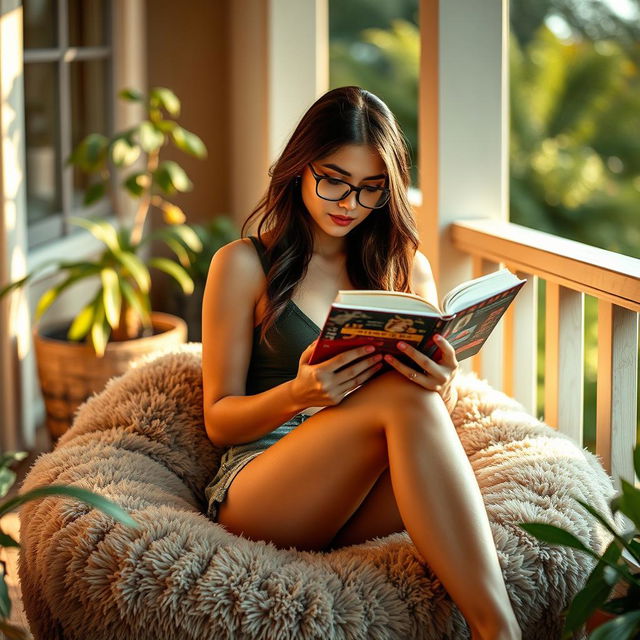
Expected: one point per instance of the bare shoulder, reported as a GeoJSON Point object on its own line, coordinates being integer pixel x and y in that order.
{"type": "Point", "coordinates": [238, 257]}
{"type": "Point", "coordinates": [422, 278]}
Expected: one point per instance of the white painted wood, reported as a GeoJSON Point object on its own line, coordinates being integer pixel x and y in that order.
{"type": "Point", "coordinates": [571, 364]}
{"type": "Point", "coordinates": [524, 344]}
{"type": "Point", "coordinates": [297, 64]}
{"type": "Point", "coordinates": [617, 389]}
{"type": "Point", "coordinates": [16, 357]}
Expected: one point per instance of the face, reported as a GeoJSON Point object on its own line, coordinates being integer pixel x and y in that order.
{"type": "Point", "coordinates": [359, 165]}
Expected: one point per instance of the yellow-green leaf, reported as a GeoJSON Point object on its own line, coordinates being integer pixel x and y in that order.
{"type": "Point", "coordinates": [150, 138]}
{"type": "Point", "coordinates": [163, 97]}
{"type": "Point", "coordinates": [123, 153]}
{"type": "Point", "coordinates": [174, 270]}
{"type": "Point", "coordinates": [131, 95]}
{"type": "Point", "coordinates": [136, 268]}
{"type": "Point", "coordinates": [100, 229]}
{"type": "Point", "coordinates": [45, 301]}
{"type": "Point", "coordinates": [179, 250]}
{"type": "Point", "coordinates": [189, 142]}
{"type": "Point", "coordinates": [111, 296]}
{"type": "Point", "coordinates": [99, 329]}
{"type": "Point", "coordinates": [133, 300]}
{"type": "Point", "coordinates": [81, 323]}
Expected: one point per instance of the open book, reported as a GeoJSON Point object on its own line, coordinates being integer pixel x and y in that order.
{"type": "Point", "coordinates": [468, 314]}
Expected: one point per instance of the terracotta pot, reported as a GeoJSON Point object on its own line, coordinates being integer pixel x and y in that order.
{"type": "Point", "coordinates": [70, 372]}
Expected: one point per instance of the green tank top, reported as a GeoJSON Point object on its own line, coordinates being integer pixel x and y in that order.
{"type": "Point", "coordinates": [291, 334]}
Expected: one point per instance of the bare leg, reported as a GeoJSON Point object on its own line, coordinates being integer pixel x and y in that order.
{"type": "Point", "coordinates": [286, 495]}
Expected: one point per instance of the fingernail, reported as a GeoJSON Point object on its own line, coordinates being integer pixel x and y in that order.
{"type": "Point", "coordinates": [437, 337]}
{"type": "Point", "coordinates": [402, 345]}
{"type": "Point", "coordinates": [369, 349]}
{"type": "Point", "coordinates": [388, 358]}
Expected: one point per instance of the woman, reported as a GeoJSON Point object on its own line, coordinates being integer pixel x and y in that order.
{"type": "Point", "coordinates": [333, 454]}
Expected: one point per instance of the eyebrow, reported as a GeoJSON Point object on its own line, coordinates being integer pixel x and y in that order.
{"type": "Point", "coordinates": [335, 167]}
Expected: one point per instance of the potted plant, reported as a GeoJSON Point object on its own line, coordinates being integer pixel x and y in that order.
{"type": "Point", "coordinates": [213, 235]}
{"type": "Point", "coordinates": [617, 571]}
{"type": "Point", "coordinates": [117, 324]}
{"type": "Point", "coordinates": [7, 478]}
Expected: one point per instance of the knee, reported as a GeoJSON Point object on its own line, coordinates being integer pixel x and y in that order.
{"type": "Point", "coordinates": [393, 392]}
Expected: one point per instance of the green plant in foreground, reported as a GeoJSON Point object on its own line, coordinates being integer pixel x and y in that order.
{"type": "Point", "coordinates": [121, 305]}
{"type": "Point", "coordinates": [614, 568]}
{"type": "Point", "coordinates": [7, 478]}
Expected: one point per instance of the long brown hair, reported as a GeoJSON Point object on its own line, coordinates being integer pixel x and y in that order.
{"type": "Point", "coordinates": [380, 250]}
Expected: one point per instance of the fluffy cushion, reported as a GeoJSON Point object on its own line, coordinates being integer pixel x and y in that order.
{"type": "Point", "coordinates": [141, 442]}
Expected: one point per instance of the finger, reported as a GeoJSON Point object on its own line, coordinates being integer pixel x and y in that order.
{"type": "Point", "coordinates": [408, 372]}
{"type": "Point", "coordinates": [360, 379]}
{"type": "Point", "coordinates": [425, 362]}
{"type": "Point", "coordinates": [344, 358]}
{"type": "Point", "coordinates": [448, 351]}
{"type": "Point", "coordinates": [347, 375]}
{"type": "Point", "coordinates": [307, 353]}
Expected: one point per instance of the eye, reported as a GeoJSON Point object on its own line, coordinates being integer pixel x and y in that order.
{"type": "Point", "coordinates": [372, 189]}
{"type": "Point", "coordinates": [333, 180]}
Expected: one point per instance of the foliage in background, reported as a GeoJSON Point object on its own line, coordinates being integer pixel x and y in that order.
{"type": "Point", "coordinates": [575, 152]}
{"type": "Point", "coordinates": [121, 305]}
{"type": "Point", "coordinates": [617, 567]}
{"type": "Point", "coordinates": [7, 478]}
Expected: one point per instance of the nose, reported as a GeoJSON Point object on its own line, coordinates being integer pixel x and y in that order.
{"type": "Point", "coordinates": [349, 203]}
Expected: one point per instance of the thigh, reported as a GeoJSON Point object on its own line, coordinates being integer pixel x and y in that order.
{"type": "Point", "coordinates": [304, 488]}
{"type": "Point", "coordinates": [377, 516]}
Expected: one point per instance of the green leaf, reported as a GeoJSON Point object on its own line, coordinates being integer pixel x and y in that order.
{"type": "Point", "coordinates": [135, 184]}
{"type": "Point", "coordinates": [10, 456]}
{"type": "Point", "coordinates": [598, 516]}
{"type": "Point", "coordinates": [90, 154]}
{"type": "Point", "coordinates": [171, 177]}
{"type": "Point", "coordinates": [131, 95]}
{"type": "Point", "coordinates": [100, 229]}
{"type": "Point", "coordinates": [136, 268]}
{"type": "Point", "coordinates": [162, 97]}
{"type": "Point", "coordinates": [79, 272]}
{"type": "Point", "coordinates": [12, 632]}
{"type": "Point", "coordinates": [133, 300]}
{"type": "Point", "coordinates": [7, 478]}
{"type": "Point", "coordinates": [174, 270]}
{"type": "Point", "coordinates": [81, 323]}
{"type": "Point", "coordinates": [99, 329]}
{"type": "Point", "coordinates": [166, 126]}
{"type": "Point", "coordinates": [150, 138]}
{"type": "Point", "coordinates": [629, 502]}
{"type": "Point", "coordinates": [15, 285]}
{"type": "Point", "coordinates": [624, 627]}
{"type": "Point", "coordinates": [123, 152]}
{"type": "Point", "coordinates": [585, 603]}
{"type": "Point", "coordinates": [83, 495]}
{"type": "Point", "coordinates": [111, 297]}
{"type": "Point", "coordinates": [179, 250]}
{"type": "Point", "coordinates": [554, 535]}
{"type": "Point", "coordinates": [8, 541]}
{"type": "Point", "coordinates": [189, 142]}
{"type": "Point", "coordinates": [94, 193]}
{"type": "Point", "coordinates": [5, 601]}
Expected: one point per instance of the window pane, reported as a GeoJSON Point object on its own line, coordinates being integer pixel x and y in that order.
{"type": "Point", "coordinates": [88, 23]}
{"type": "Point", "coordinates": [88, 111]}
{"type": "Point", "coordinates": [40, 23]}
{"type": "Point", "coordinates": [42, 140]}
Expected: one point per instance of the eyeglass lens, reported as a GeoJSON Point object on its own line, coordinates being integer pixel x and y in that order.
{"type": "Point", "coordinates": [335, 190]}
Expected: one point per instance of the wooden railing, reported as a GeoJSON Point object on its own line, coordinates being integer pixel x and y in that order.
{"type": "Point", "coordinates": [570, 270]}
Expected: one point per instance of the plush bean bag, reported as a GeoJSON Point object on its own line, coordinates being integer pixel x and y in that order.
{"type": "Point", "coordinates": [141, 442]}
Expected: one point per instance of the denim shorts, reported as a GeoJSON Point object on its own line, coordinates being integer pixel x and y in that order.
{"type": "Point", "coordinates": [236, 457]}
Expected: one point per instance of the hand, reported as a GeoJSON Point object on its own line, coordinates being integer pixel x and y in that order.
{"type": "Point", "coordinates": [435, 376]}
{"type": "Point", "coordinates": [322, 385]}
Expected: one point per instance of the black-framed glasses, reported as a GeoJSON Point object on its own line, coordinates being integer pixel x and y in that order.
{"type": "Point", "coordinates": [334, 190]}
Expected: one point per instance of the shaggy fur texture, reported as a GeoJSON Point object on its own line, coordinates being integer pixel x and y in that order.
{"type": "Point", "coordinates": [141, 442]}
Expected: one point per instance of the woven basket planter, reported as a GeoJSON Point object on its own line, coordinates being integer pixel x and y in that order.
{"type": "Point", "coordinates": [70, 372]}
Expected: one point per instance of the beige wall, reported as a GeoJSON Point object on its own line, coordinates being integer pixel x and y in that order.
{"type": "Point", "coordinates": [188, 52]}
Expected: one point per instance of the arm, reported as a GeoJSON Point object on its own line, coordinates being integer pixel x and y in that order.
{"type": "Point", "coordinates": [230, 416]}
